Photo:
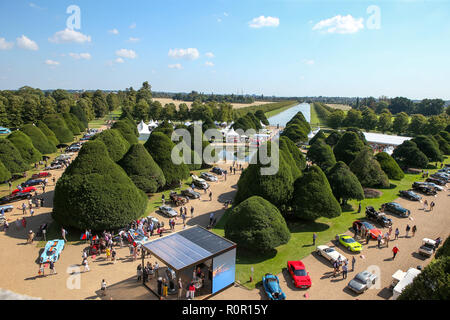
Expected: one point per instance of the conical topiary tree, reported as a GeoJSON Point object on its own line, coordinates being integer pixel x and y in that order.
{"type": "Point", "coordinates": [289, 158]}
{"type": "Point", "coordinates": [389, 166]}
{"type": "Point", "coordinates": [56, 123]}
{"type": "Point", "coordinates": [368, 170]}
{"type": "Point", "coordinates": [75, 120]}
{"type": "Point", "coordinates": [47, 132]}
{"type": "Point", "coordinates": [344, 184]}
{"type": "Point", "coordinates": [262, 117]}
{"type": "Point", "coordinates": [333, 138]}
{"type": "Point", "coordinates": [297, 155]}
{"type": "Point", "coordinates": [319, 135]}
{"type": "Point", "coordinates": [11, 158]}
{"type": "Point", "coordinates": [444, 146]}
{"type": "Point", "coordinates": [5, 175]}
{"type": "Point", "coordinates": [115, 143]}
{"type": "Point", "coordinates": [313, 197]}
{"type": "Point", "coordinates": [71, 124]}
{"type": "Point", "coordinates": [348, 147]}
{"type": "Point", "coordinates": [142, 169]}
{"type": "Point", "coordinates": [25, 146]}
{"type": "Point", "coordinates": [127, 130]}
{"type": "Point", "coordinates": [80, 114]}
{"type": "Point", "coordinates": [321, 154]}
{"type": "Point", "coordinates": [160, 148]}
{"type": "Point", "coordinates": [257, 225]}
{"type": "Point", "coordinates": [429, 146]}
{"type": "Point", "coordinates": [95, 193]}
{"type": "Point", "coordinates": [39, 139]}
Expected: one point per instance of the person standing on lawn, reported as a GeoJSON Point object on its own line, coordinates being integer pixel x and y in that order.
{"type": "Point", "coordinates": [314, 238]}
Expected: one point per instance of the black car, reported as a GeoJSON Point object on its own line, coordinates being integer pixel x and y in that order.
{"type": "Point", "coordinates": [32, 182]}
{"type": "Point", "coordinates": [15, 197]}
{"type": "Point", "coordinates": [439, 182]}
{"type": "Point", "coordinates": [440, 175]}
{"type": "Point", "coordinates": [395, 208]}
{"type": "Point", "coordinates": [411, 195]}
{"type": "Point", "coordinates": [378, 217]}
{"type": "Point", "coordinates": [425, 189]}
{"type": "Point", "coordinates": [190, 193]}
{"type": "Point", "coordinates": [218, 171]}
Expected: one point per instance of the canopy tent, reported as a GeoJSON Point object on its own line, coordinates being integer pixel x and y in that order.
{"type": "Point", "coordinates": [232, 136]}
{"type": "Point", "coordinates": [190, 247]}
{"type": "Point", "coordinates": [385, 139]}
{"type": "Point", "coordinates": [152, 124]}
{"type": "Point", "coordinates": [143, 128]}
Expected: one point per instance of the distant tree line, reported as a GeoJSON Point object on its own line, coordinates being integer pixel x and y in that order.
{"type": "Point", "coordinates": [203, 98]}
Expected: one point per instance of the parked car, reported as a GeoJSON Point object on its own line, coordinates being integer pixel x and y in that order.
{"type": "Point", "coordinates": [374, 232]}
{"type": "Point", "coordinates": [15, 197]}
{"type": "Point", "coordinates": [52, 251]}
{"type": "Point", "coordinates": [136, 238]}
{"type": "Point", "coordinates": [199, 183]}
{"type": "Point", "coordinates": [437, 181]}
{"type": "Point", "coordinates": [349, 243]}
{"type": "Point", "coordinates": [378, 217]}
{"type": "Point", "coordinates": [218, 171]}
{"type": "Point", "coordinates": [41, 175]}
{"type": "Point", "coordinates": [24, 190]}
{"type": "Point", "coordinates": [395, 208]}
{"type": "Point", "coordinates": [168, 211]}
{"type": "Point", "coordinates": [330, 254]}
{"type": "Point", "coordinates": [32, 182]}
{"type": "Point", "coordinates": [7, 208]}
{"type": "Point", "coordinates": [425, 189]}
{"type": "Point", "coordinates": [433, 185]}
{"type": "Point", "coordinates": [300, 278]}
{"type": "Point", "coordinates": [272, 287]}
{"type": "Point", "coordinates": [73, 148]}
{"type": "Point", "coordinates": [177, 199]}
{"type": "Point", "coordinates": [441, 175]}
{"type": "Point", "coordinates": [427, 248]}
{"type": "Point", "coordinates": [63, 157]}
{"type": "Point", "coordinates": [362, 281]}
{"type": "Point", "coordinates": [190, 193]}
{"type": "Point", "coordinates": [208, 176]}
{"type": "Point", "coordinates": [411, 195]}
{"type": "Point", "coordinates": [54, 166]}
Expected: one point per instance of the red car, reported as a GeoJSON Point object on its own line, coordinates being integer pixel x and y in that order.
{"type": "Point", "coordinates": [41, 175]}
{"type": "Point", "coordinates": [25, 190]}
{"type": "Point", "coordinates": [374, 232]}
{"type": "Point", "coordinates": [300, 277]}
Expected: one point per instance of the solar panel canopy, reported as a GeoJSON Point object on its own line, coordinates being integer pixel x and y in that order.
{"type": "Point", "coordinates": [187, 247]}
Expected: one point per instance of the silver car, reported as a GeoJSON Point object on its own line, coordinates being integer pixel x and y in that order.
{"type": "Point", "coordinates": [208, 176]}
{"type": "Point", "coordinates": [168, 211]}
{"type": "Point", "coordinates": [362, 281]}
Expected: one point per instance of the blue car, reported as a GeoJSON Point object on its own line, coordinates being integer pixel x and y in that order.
{"type": "Point", "coordinates": [272, 287]}
{"type": "Point", "coordinates": [7, 208]}
{"type": "Point", "coordinates": [52, 251]}
{"type": "Point", "coordinates": [136, 237]}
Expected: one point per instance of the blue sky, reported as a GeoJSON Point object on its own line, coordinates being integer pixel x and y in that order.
{"type": "Point", "coordinates": [270, 47]}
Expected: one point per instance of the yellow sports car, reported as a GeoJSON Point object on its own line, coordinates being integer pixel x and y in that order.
{"type": "Point", "coordinates": [350, 243]}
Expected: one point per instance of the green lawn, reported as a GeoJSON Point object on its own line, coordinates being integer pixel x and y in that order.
{"type": "Point", "coordinates": [300, 244]}
{"type": "Point", "coordinates": [97, 123]}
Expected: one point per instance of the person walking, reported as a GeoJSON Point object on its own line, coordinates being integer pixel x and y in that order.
{"type": "Point", "coordinates": [395, 250]}
{"type": "Point", "coordinates": [368, 236]}
{"type": "Point", "coordinates": [397, 233]}
{"type": "Point", "coordinates": [24, 208]}
{"type": "Point", "coordinates": [379, 241]}
{"type": "Point", "coordinates": [63, 234]}
{"type": "Point", "coordinates": [156, 268]}
{"type": "Point", "coordinates": [192, 290]}
{"type": "Point", "coordinates": [344, 271]}
{"type": "Point", "coordinates": [425, 204]}
{"type": "Point", "coordinates": [387, 238]}
{"type": "Point", "coordinates": [353, 263]}
{"type": "Point", "coordinates": [103, 287]}
{"type": "Point", "coordinates": [432, 204]}
{"type": "Point", "coordinates": [86, 265]}
{"type": "Point", "coordinates": [211, 218]}
{"type": "Point", "coordinates": [414, 229]}
{"type": "Point", "coordinates": [314, 238]}
{"type": "Point", "coordinates": [335, 267]}
{"type": "Point", "coordinates": [165, 287]}
{"type": "Point", "coordinates": [113, 255]}
{"type": "Point", "coordinates": [192, 212]}
{"type": "Point", "coordinates": [210, 196]}
{"type": "Point", "coordinates": [407, 230]}
{"type": "Point", "coordinates": [180, 288]}
{"type": "Point", "coordinates": [52, 267]}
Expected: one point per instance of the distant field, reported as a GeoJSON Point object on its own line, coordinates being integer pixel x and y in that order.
{"type": "Point", "coordinates": [164, 101]}
{"type": "Point", "coordinates": [344, 107]}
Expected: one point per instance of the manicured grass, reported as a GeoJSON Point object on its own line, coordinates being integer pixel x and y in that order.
{"type": "Point", "coordinates": [300, 244]}
{"type": "Point", "coordinates": [98, 123]}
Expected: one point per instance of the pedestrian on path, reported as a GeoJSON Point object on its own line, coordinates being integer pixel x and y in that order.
{"type": "Point", "coordinates": [103, 287]}
{"type": "Point", "coordinates": [368, 238]}
{"type": "Point", "coordinates": [414, 229]}
{"type": "Point", "coordinates": [395, 250]}
{"type": "Point", "coordinates": [353, 263]}
{"type": "Point", "coordinates": [314, 238]}
{"type": "Point", "coordinates": [24, 208]}
{"type": "Point", "coordinates": [397, 233]}
{"type": "Point", "coordinates": [387, 238]}
{"type": "Point", "coordinates": [432, 204]}
{"type": "Point", "coordinates": [210, 196]}
{"type": "Point", "coordinates": [425, 204]}
{"type": "Point", "coordinates": [192, 212]}
{"type": "Point", "coordinates": [407, 230]}
{"type": "Point", "coordinates": [86, 265]}
{"type": "Point", "coordinates": [52, 267]}
{"type": "Point", "coordinates": [344, 271]}
{"type": "Point", "coordinates": [379, 241]}
{"type": "Point", "coordinates": [139, 272]}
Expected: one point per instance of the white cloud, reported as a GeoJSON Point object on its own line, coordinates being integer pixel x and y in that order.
{"type": "Point", "coordinates": [4, 45]}
{"type": "Point", "coordinates": [219, 20]}
{"type": "Point", "coordinates": [209, 64]}
{"type": "Point", "coordinates": [175, 66]}
{"type": "Point", "coordinates": [133, 25]}
{"type": "Point", "coordinates": [209, 54]}
{"type": "Point", "coordinates": [78, 56]}
{"type": "Point", "coordinates": [51, 62]}
{"type": "Point", "coordinates": [309, 62]}
{"type": "Point", "coordinates": [33, 5]}
{"type": "Point", "coordinates": [125, 53]}
{"type": "Point", "coordinates": [340, 24]}
{"type": "Point", "coordinates": [119, 60]}
{"type": "Point", "coordinates": [68, 35]}
{"type": "Point", "coordinates": [134, 39]}
{"type": "Point", "coordinates": [189, 53]}
{"type": "Point", "coordinates": [114, 31]}
{"type": "Point", "coordinates": [263, 21]}
{"type": "Point", "coordinates": [27, 44]}
{"type": "Point", "coordinates": [225, 14]}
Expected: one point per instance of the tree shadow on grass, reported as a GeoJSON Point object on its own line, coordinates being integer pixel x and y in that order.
{"type": "Point", "coordinates": [244, 256]}
{"type": "Point", "coordinates": [307, 226]}
{"type": "Point", "coordinates": [348, 208]}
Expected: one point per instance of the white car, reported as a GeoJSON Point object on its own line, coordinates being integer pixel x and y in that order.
{"type": "Point", "coordinates": [208, 176]}
{"type": "Point", "coordinates": [330, 253]}
{"type": "Point", "coordinates": [428, 247]}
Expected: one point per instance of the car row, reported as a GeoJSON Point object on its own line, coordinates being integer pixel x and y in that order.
{"type": "Point", "coordinates": [378, 217]}
{"type": "Point", "coordinates": [32, 182]}
{"type": "Point", "coordinates": [16, 197]}
{"type": "Point", "coordinates": [411, 195]}
{"type": "Point", "coordinates": [395, 208]}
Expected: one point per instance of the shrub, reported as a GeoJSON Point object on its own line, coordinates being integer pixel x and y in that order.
{"type": "Point", "coordinates": [72, 125]}
{"type": "Point", "coordinates": [47, 132]}
{"type": "Point", "coordinates": [372, 193]}
{"type": "Point", "coordinates": [142, 169]}
{"type": "Point", "coordinates": [313, 198]}
{"type": "Point", "coordinates": [429, 146]}
{"type": "Point", "coordinates": [444, 146]}
{"type": "Point", "coordinates": [389, 166]}
{"type": "Point", "coordinates": [408, 155]}
{"type": "Point", "coordinates": [333, 138]}
{"type": "Point", "coordinates": [127, 130]}
{"type": "Point", "coordinates": [319, 135]}
{"type": "Point", "coordinates": [116, 145]}
{"type": "Point", "coordinates": [443, 251]}
{"type": "Point", "coordinates": [321, 154]}
{"type": "Point", "coordinates": [25, 146]}
{"type": "Point", "coordinates": [160, 148]}
{"type": "Point", "coordinates": [11, 158]}
{"type": "Point", "coordinates": [39, 139]}
{"type": "Point", "coordinates": [368, 170]}
{"type": "Point", "coordinates": [257, 225]}
{"type": "Point", "coordinates": [95, 193]}
{"type": "Point", "coordinates": [56, 123]}
{"type": "Point", "coordinates": [348, 147]}
{"type": "Point", "coordinates": [5, 175]}
{"type": "Point", "coordinates": [81, 116]}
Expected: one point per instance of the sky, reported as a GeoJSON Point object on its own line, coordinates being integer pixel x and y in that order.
{"type": "Point", "coordinates": [271, 47]}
